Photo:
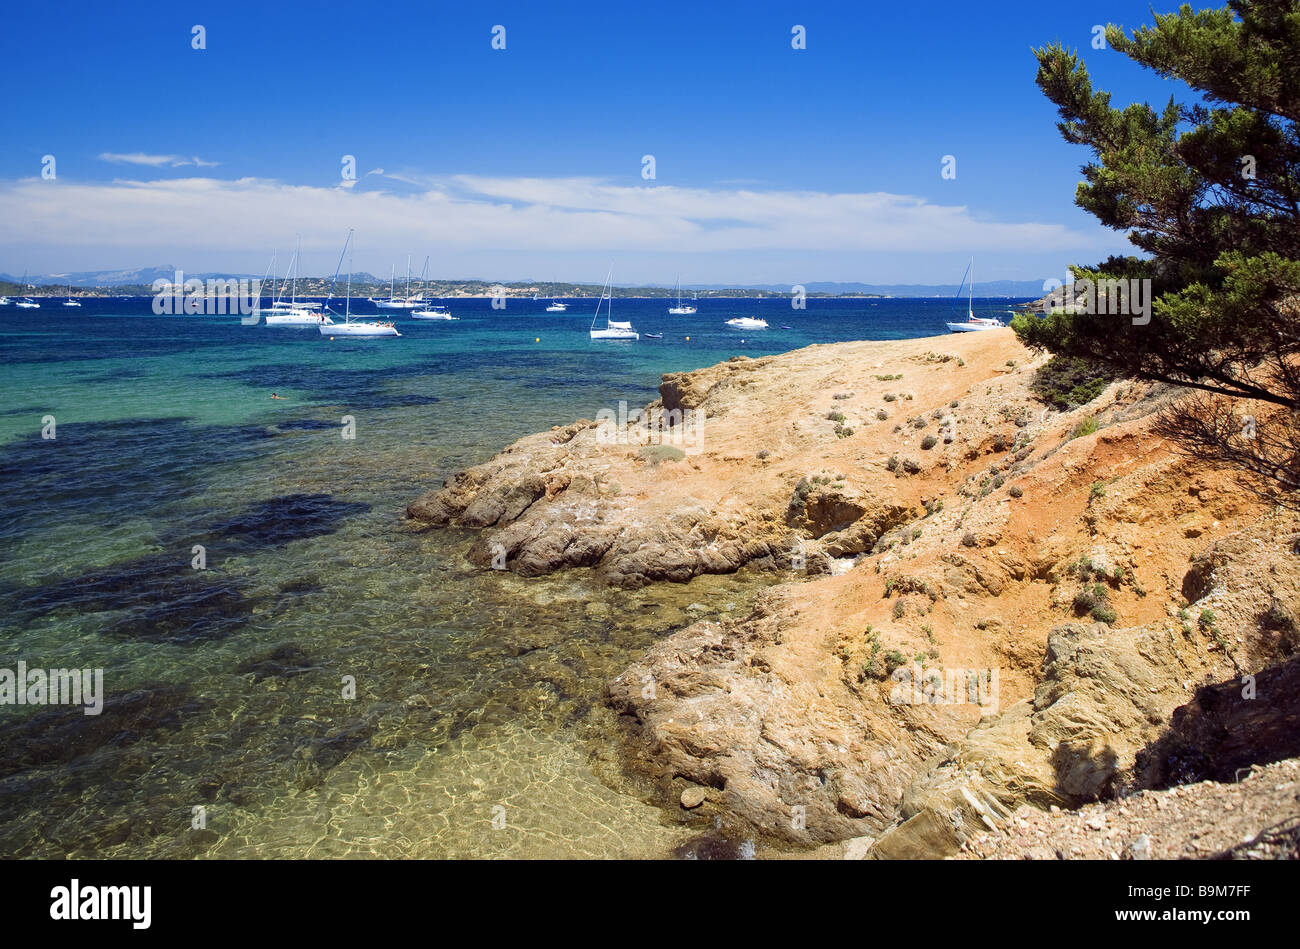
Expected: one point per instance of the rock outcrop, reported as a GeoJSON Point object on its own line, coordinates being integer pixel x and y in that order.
{"type": "Point", "coordinates": [981, 604]}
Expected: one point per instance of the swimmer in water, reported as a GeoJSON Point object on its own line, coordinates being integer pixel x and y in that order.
{"type": "Point", "coordinates": [274, 396]}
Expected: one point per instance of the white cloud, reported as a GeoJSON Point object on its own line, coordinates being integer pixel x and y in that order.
{"type": "Point", "coordinates": [496, 219]}
{"type": "Point", "coordinates": [156, 161]}
{"type": "Point", "coordinates": [137, 158]}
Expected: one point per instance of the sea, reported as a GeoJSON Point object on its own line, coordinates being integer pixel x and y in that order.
{"type": "Point", "coordinates": [289, 667]}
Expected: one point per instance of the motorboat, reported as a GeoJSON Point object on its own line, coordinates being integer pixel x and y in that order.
{"type": "Point", "coordinates": [434, 313]}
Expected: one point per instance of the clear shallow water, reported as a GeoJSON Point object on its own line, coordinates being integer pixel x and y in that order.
{"type": "Point", "coordinates": [477, 693]}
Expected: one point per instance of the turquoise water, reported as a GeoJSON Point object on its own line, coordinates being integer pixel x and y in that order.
{"type": "Point", "coordinates": [476, 728]}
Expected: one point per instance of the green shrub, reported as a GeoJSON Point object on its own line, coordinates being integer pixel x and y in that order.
{"type": "Point", "coordinates": [1068, 382]}
{"type": "Point", "coordinates": [1085, 602]}
{"type": "Point", "coordinates": [928, 442]}
{"type": "Point", "coordinates": [1105, 613]}
{"type": "Point", "coordinates": [657, 453]}
{"type": "Point", "coordinates": [1085, 428]}
{"type": "Point", "coordinates": [1016, 491]}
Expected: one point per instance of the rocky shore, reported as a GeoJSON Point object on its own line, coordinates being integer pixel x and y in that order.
{"type": "Point", "coordinates": [979, 602]}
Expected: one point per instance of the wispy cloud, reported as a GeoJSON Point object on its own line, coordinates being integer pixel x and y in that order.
{"type": "Point", "coordinates": [500, 219]}
{"type": "Point", "coordinates": [156, 161]}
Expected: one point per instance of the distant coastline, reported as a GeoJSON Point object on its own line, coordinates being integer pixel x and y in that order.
{"type": "Point", "coordinates": [141, 283]}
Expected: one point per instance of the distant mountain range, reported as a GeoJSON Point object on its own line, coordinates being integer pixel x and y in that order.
{"type": "Point", "coordinates": [993, 288]}
{"type": "Point", "coordinates": [101, 279]}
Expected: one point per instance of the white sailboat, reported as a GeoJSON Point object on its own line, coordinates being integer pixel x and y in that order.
{"type": "Point", "coordinates": [27, 303]}
{"type": "Point", "coordinates": [350, 327]}
{"type": "Point", "coordinates": [429, 312]}
{"type": "Point", "coordinates": [290, 312]}
{"type": "Point", "coordinates": [680, 310]}
{"type": "Point", "coordinates": [394, 302]}
{"type": "Point", "coordinates": [973, 323]}
{"type": "Point", "coordinates": [613, 329]}
{"type": "Point", "coordinates": [69, 301]}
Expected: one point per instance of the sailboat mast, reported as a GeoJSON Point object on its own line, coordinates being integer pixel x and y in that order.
{"type": "Point", "coordinates": [269, 269]}
{"type": "Point", "coordinates": [280, 293]}
{"type": "Point", "coordinates": [970, 300]}
{"type": "Point", "coordinates": [293, 295]}
{"type": "Point", "coordinates": [329, 294]}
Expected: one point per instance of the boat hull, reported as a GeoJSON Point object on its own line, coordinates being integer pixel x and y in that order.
{"type": "Point", "coordinates": [615, 334]}
{"type": "Point", "coordinates": [972, 327]}
{"type": "Point", "coordinates": [359, 329]}
{"type": "Point", "coordinates": [295, 319]}
{"type": "Point", "coordinates": [681, 310]}
{"type": "Point", "coordinates": [747, 324]}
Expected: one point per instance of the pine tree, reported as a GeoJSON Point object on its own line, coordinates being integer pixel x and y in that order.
{"type": "Point", "coordinates": [1209, 191]}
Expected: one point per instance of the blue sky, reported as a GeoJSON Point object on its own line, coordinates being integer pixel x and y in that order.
{"type": "Point", "coordinates": [772, 165]}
